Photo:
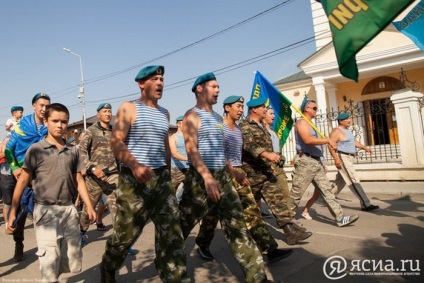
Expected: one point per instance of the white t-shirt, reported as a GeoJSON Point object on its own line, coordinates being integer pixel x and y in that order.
{"type": "Point", "coordinates": [12, 122]}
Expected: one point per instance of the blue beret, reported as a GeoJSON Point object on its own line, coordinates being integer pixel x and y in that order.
{"type": "Point", "coordinates": [105, 106]}
{"type": "Point", "coordinates": [343, 116]}
{"type": "Point", "coordinates": [202, 79]}
{"type": "Point", "coordinates": [303, 105]}
{"type": "Point", "coordinates": [40, 95]}
{"type": "Point", "coordinates": [16, 108]}
{"type": "Point", "coordinates": [257, 102]}
{"type": "Point", "coordinates": [233, 99]}
{"type": "Point", "coordinates": [180, 118]}
{"type": "Point", "coordinates": [148, 71]}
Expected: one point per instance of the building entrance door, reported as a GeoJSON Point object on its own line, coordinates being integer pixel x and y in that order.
{"type": "Point", "coordinates": [380, 122]}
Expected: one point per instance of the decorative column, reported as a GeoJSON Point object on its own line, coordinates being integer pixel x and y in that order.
{"type": "Point", "coordinates": [319, 85]}
{"type": "Point", "coordinates": [410, 127]}
{"type": "Point", "coordinates": [332, 100]}
{"type": "Point", "coordinates": [321, 100]}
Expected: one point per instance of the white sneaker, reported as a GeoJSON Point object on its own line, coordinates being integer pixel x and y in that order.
{"type": "Point", "coordinates": [346, 220]}
{"type": "Point", "coordinates": [306, 216]}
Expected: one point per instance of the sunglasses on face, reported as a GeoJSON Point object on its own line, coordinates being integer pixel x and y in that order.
{"type": "Point", "coordinates": [314, 108]}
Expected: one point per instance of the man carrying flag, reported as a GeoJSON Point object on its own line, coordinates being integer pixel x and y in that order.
{"type": "Point", "coordinates": [354, 23]}
{"type": "Point", "coordinates": [308, 165]}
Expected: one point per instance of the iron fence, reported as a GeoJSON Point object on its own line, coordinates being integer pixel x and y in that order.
{"type": "Point", "coordinates": [373, 124]}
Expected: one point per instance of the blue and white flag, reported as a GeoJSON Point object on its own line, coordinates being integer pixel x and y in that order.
{"type": "Point", "coordinates": [413, 25]}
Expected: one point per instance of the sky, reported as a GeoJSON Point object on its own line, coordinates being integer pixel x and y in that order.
{"type": "Point", "coordinates": [115, 39]}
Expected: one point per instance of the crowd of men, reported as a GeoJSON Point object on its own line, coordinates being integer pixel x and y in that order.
{"type": "Point", "coordinates": [226, 167]}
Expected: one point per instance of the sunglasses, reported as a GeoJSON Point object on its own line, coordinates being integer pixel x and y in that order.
{"type": "Point", "coordinates": [314, 108]}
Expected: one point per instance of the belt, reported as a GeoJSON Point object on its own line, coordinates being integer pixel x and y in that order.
{"type": "Point", "coordinates": [157, 171]}
{"type": "Point", "coordinates": [318, 158]}
{"type": "Point", "coordinates": [210, 170]}
{"type": "Point", "coordinates": [183, 170]}
{"type": "Point", "coordinates": [342, 152]}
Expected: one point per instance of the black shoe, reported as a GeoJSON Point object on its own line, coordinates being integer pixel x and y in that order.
{"type": "Point", "coordinates": [205, 253]}
{"type": "Point", "coordinates": [101, 227]}
{"type": "Point", "coordinates": [19, 252]}
{"type": "Point", "coordinates": [370, 208]}
{"type": "Point", "coordinates": [278, 254]}
{"type": "Point", "coordinates": [106, 276]}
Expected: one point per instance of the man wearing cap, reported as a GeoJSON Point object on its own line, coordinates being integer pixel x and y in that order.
{"type": "Point", "coordinates": [179, 164]}
{"type": "Point", "coordinates": [344, 158]}
{"type": "Point", "coordinates": [208, 186]}
{"type": "Point", "coordinates": [17, 113]}
{"type": "Point", "coordinates": [233, 144]}
{"type": "Point", "coordinates": [100, 166]}
{"type": "Point", "coordinates": [140, 143]}
{"type": "Point", "coordinates": [267, 178]}
{"type": "Point", "coordinates": [308, 166]}
{"type": "Point", "coordinates": [28, 131]}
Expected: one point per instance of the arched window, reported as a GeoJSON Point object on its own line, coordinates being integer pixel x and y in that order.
{"type": "Point", "coordinates": [382, 84]}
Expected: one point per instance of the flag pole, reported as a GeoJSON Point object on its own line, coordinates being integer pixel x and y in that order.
{"type": "Point", "coordinates": [309, 121]}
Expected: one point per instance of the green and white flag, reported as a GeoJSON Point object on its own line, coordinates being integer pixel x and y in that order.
{"type": "Point", "coordinates": [354, 23]}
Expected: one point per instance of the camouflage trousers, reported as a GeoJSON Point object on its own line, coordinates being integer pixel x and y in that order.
{"type": "Point", "coordinates": [195, 204]}
{"type": "Point", "coordinates": [308, 170]}
{"type": "Point", "coordinates": [96, 187]}
{"type": "Point", "coordinates": [252, 216]}
{"type": "Point", "coordinates": [275, 191]}
{"type": "Point", "coordinates": [136, 203]}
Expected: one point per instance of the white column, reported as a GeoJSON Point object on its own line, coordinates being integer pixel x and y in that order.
{"type": "Point", "coordinates": [319, 85]}
{"type": "Point", "coordinates": [321, 100]}
{"type": "Point", "coordinates": [332, 100]}
{"type": "Point", "coordinates": [410, 128]}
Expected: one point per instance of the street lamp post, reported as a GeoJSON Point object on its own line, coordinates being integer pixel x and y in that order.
{"type": "Point", "coordinates": [81, 87]}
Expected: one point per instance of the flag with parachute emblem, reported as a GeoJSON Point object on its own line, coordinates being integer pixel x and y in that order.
{"type": "Point", "coordinates": [283, 122]}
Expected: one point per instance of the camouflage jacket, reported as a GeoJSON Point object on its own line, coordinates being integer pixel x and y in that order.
{"type": "Point", "coordinates": [256, 139]}
{"type": "Point", "coordinates": [95, 148]}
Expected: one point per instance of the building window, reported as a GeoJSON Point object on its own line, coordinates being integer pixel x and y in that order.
{"type": "Point", "coordinates": [382, 84]}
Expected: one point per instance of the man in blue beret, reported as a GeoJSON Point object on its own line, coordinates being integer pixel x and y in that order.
{"type": "Point", "coordinates": [310, 168]}
{"type": "Point", "coordinates": [257, 102]}
{"type": "Point", "coordinates": [29, 130]}
{"type": "Point", "coordinates": [140, 144]}
{"type": "Point", "coordinates": [17, 113]}
{"type": "Point", "coordinates": [149, 71]}
{"type": "Point", "coordinates": [41, 95]}
{"type": "Point", "coordinates": [104, 106]}
{"type": "Point", "coordinates": [265, 173]}
{"type": "Point", "coordinates": [100, 166]}
{"type": "Point", "coordinates": [202, 80]}
{"type": "Point", "coordinates": [208, 186]}
{"type": "Point", "coordinates": [231, 100]}
{"type": "Point", "coordinates": [344, 158]}
{"type": "Point", "coordinates": [233, 144]}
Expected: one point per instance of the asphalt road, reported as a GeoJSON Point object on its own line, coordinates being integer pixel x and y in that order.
{"type": "Point", "coordinates": [382, 246]}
